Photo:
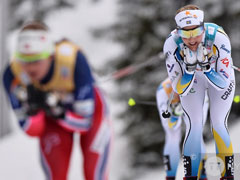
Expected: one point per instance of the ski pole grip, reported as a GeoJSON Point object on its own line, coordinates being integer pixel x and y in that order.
{"type": "Point", "coordinates": [166, 114]}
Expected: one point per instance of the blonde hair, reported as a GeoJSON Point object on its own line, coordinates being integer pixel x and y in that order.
{"type": "Point", "coordinates": [187, 7]}
{"type": "Point", "coordinates": [34, 25]}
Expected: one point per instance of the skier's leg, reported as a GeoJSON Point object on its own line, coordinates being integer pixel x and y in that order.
{"type": "Point", "coordinates": [171, 151]}
{"type": "Point", "coordinates": [202, 170]}
{"type": "Point", "coordinates": [56, 147]}
{"type": "Point", "coordinates": [192, 105]}
{"type": "Point", "coordinates": [220, 105]}
{"type": "Point", "coordinates": [172, 129]}
{"type": "Point", "coordinates": [95, 144]}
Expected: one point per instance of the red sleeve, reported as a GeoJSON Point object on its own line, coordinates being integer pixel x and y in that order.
{"type": "Point", "coordinates": [35, 124]}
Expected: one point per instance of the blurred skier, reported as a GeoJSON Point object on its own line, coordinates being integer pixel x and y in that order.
{"type": "Point", "coordinates": [52, 92]}
{"type": "Point", "coordinates": [172, 128]}
{"type": "Point", "coordinates": [199, 59]}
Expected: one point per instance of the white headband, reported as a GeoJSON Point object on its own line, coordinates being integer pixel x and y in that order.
{"type": "Point", "coordinates": [189, 18]}
{"type": "Point", "coordinates": [34, 42]}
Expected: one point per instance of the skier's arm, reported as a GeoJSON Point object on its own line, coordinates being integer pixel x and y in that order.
{"type": "Point", "coordinates": [224, 62]}
{"type": "Point", "coordinates": [162, 101]}
{"type": "Point", "coordinates": [32, 125]}
{"type": "Point", "coordinates": [181, 79]}
{"type": "Point", "coordinates": [79, 118]}
{"type": "Point", "coordinates": [219, 76]}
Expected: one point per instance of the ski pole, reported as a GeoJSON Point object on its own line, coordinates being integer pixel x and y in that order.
{"type": "Point", "coordinates": [167, 114]}
{"type": "Point", "coordinates": [131, 69]}
{"type": "Point", "coordinates": [133, 102]}
{"type": "Point", "coordinates": [236, 68]}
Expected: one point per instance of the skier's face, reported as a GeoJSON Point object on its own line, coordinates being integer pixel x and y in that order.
{"type": "Point", "coordinates": [37, 70]}
{"type": "Point", "coordinates": [193, 41]}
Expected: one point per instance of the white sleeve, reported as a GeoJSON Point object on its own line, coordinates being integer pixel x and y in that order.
{"type": "Point", "coordinates": [181, 80]}
{"type": "Point", "coordinates": [224, 61]}
{"type": "Point", "coordinates": [162, 100]}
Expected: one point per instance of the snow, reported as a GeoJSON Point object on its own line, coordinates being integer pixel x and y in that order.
{"type": "Point", "coordinates": [20, 158]}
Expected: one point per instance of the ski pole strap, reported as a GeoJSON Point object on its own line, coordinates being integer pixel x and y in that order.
{"type": "Point", "coordinates": [170, 100]}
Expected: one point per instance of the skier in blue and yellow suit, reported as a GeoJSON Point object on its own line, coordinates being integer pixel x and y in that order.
{"type": "Point", "coordinates": [52, 92]}
{"type": "Point", "coordinates": [199, 60]}
{"type": "Point", "coordinates": [172, 129]}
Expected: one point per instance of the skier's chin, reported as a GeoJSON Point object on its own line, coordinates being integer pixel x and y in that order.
{"type": "Point", "coordinates": [193, 47]}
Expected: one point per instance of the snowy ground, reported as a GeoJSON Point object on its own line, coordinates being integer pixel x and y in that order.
{"type": "Point", "coordinates": [213, 173]}
{"type": "Point", "coordinates": [20, 159]}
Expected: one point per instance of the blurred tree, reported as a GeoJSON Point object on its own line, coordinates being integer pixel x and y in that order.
{"type": "Point", "coordinates": [22, 10]}
{"type": "Point", "coordinates": [142, 29]}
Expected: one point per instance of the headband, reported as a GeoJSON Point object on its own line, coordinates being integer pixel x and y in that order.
{"type": "Point", "coordinates": [34, 45]}
{"type": "Point", "coordinates": [189, 18]}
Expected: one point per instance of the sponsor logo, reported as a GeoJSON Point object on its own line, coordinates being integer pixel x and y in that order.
{"type": "Point", "coordinates": [188, 13]}
{"type": "Point", "coordinates": [185, 18]}
{"type": "Point", "coordinates": [170, 67]}
{"type": "Point", "coordinates": [225, 61]}
{"type": "Point", "coordinates": [229, 165]}
{"type": "Point", "coordinates": [65, 72]}
{"type": "Point", "coordinates": [187, 165]}
{"type": "Point", "coordinates": [176, 73]}
{"type": "Point", "coordinates": [168, 54]}
{"type": "Point", "coordinates": [224, 48]}
{"type": "Point", "coordinates": [166, 162]}
{"type": "Point", "coordinates": [50, 141]}
{"type": "Point", "coordinates": [228, 91]}
{"type": "Point", "coordinates": [211, 30]}
{"type": "Point", "coordinates": [189, 22]}
{"type": "Point", "coordinates": [192, 90]}
{"type": "Point", "coordinates": [203, 171]}
{"type": "Point", "coordinates": [224, 73]}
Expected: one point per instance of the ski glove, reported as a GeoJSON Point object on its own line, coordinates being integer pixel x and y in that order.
{"type": "Point", "coordinates": [190, 59]}
{"type": "Point", "coordinates": [177, 109]}
{"type": "Point", "coordinates": [34, 100]}
{"type": "Point", "coordinates": [202, 57]}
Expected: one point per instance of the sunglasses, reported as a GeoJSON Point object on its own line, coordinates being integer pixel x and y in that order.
{"type": "Point", "coordinates": [30, 58]}
{"type": "Point", "coordinates": [191, 32]}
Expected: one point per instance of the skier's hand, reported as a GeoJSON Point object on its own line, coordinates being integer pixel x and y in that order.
{"type": "Point", "coordinates": [55, 109]}
{"type": "Point", "coordinates": [177, 109]}
{"type": "Point", "coordinates": [47, 101]}
{"type": "Point", "coordinates": [190, 59]}
{"type": "Point", "coordinates": [202, 57]}
{"type": "Point", "coordinates": [36, 100]}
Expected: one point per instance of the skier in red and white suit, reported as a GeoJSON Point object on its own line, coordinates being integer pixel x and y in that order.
{"type": "Point", "coordinates": [52, 92]}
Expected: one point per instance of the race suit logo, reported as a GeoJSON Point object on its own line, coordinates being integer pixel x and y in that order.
{"type": "Point", "coordinates": [187, 165]}
{"type": "Point", "coordinates": [229, 165]}
{"type": "Point", "coordinates": [228, 92]}
{"type": "Point", "coordinates": [225, 61]}
{"type": "Point", "coordinates": [166, 162]}
{"type": "Point", "coordinates": [224, 48]}
{"type": "Point", "coordinates": [170, 67]}
{"type": "Point", "coordinates": [224, 73]}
